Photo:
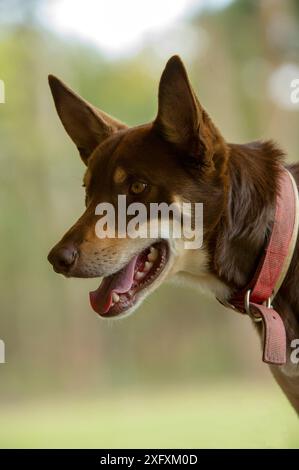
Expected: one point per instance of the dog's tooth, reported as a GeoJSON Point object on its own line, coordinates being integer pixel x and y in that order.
{"type": "Point", "coordinates": [115, 297]}
{"type": "Point", "coordinates": [147, 266]}
{"type": "Point", "coordinates": [139, 275]}
{"type": "Point", "coordinates": [153, 255]}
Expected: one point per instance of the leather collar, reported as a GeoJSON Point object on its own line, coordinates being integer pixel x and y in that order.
{"type": "Point", "coordinates": [257, 297]}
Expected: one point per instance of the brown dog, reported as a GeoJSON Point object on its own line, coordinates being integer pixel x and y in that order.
{"type": "Point", "coordinates": [180, 156]}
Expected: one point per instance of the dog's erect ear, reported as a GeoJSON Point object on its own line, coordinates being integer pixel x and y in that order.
{"type": "Point", "coordinates": [86, 125]}
{"type": "Point", "coordinates": [181, 119]}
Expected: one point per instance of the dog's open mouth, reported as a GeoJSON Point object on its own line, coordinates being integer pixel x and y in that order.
{"type": "Point", "coordinates": [119, 292]}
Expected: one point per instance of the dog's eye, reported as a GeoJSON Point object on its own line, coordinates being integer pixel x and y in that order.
{"type": "Point", "coordinates": [138, 187]}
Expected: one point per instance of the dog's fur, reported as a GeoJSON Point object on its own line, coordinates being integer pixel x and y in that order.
{"type": "Point", "coordinates": [181, 155]}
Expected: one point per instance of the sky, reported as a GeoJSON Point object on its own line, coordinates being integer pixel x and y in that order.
{"type": "Point", "coordinates": [119, 27]}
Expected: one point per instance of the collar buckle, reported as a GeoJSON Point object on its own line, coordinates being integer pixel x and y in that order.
{"type": "Point", "coordinates": [254, 317]}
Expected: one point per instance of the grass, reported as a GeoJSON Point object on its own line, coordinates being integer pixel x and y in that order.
{"type": "Point", "coordinates": [220, 416]}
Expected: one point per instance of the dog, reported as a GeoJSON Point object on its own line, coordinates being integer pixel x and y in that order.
{"type": "Point", "coordinates": [180, 156]}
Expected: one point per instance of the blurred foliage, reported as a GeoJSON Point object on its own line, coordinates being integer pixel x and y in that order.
{"type": "Point", "coordinates": [54, 342]}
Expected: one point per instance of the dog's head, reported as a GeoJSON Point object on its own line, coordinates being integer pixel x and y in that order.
{"type": "Point", "coordinates": [180, 156]}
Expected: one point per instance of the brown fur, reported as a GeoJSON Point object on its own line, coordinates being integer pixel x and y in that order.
{"type": "Point", "coordinates": [181, 154]}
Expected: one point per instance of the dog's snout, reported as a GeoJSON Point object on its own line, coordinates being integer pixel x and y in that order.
{"type": "Point", "coordinates": [63, 258]}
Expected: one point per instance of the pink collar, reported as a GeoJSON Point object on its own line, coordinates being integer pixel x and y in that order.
{"type": "Point", "coordinates": [256, 299]}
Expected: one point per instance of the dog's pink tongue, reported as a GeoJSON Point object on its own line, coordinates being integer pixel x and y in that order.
{"type": "Point", "coordinates": [121, 282]}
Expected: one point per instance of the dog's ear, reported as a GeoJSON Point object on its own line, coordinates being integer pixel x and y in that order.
{"type": "Point", "coordinates": [181, 119]}
{"type": "Point", "coordinates": [86, 125]}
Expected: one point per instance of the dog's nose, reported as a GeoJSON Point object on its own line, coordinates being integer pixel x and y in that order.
{"type": "Point", "coordinates": [63, 258]}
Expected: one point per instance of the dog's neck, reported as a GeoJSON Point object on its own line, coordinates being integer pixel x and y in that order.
{"type": "Point", "coordinates": [232, 251]}
{"type": "Point", "coordinates": [246, 223]}
{"type": "Point", "coordinates": [243, 232]}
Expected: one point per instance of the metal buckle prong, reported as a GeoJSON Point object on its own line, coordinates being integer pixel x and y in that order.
{"type": "Point", "coordinates": [247, 306]}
